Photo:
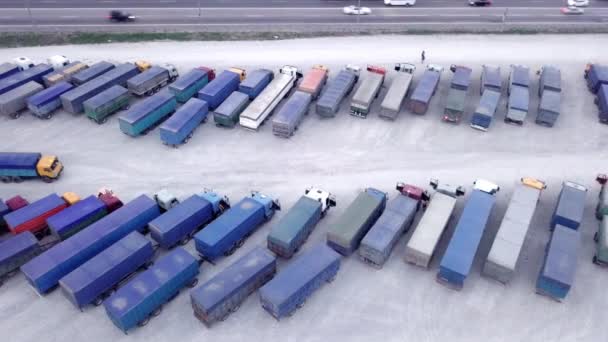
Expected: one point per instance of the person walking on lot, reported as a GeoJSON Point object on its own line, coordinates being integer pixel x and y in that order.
{"type": "Point", "coordinates": [422, 56]}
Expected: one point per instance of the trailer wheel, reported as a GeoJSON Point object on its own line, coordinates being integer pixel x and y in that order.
{"type": "Point", "coordinates": [240, 243]}
{"type": "Point", "coordinates": [184, 241]}
{"type": "Point", "coordinates": [98, 301]}
{"type": "Point", "coordinates": [595, 260]}
{"type": "Point", "coordinates": [300, 304]}
{"type": "Point", "coordinates": [157, 311]}
{"type": "Point", "coordinates": [17, 179]}
{"type": "Point", "coordinates": [230, 251]}
{"type": "Point", "coordinates": [143, 322]}
{"type": "Point", "coordinates": [331, 279]}
{"type": "Point", "coordinates": [47, 179]}
{"type": "Point", "coordinates": [595, 237]}
{"type": "Point", "coordinates": [193, 283]}
{"type": "Point", "coordinates": [5, 179]}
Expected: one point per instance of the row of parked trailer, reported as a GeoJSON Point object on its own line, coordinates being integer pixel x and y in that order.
{"type": "Point", "coordinates": [97, 252]}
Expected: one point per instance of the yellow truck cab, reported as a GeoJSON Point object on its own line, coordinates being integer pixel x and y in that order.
{"type": "Point", "coordinates": [143, 65]}
{"type": "Point", "coordinates": [534, 183]}
{"type": "Point", "coordinates": [70, 198]}
{"type": "Point", "coordinates": [241, 72]}
{"type": "Point", "coordinates": [49, 168]}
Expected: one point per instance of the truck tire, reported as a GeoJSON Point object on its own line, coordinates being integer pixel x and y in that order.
{"type": "Point", "coordinates": [595, 260]}
{"type": "Point", "coordinates": [5, 179]}
{"type": "Point", "coordinates": [149, 92]}
{"type": "Point", "coordinates": [184, 241]}
{"type": "Point", "coordinates": [17, 179]}
{"type": "Point", "coordinates": [98, 301]}
{"type": "Point", "coordinates": [157, 311]}
{"type": "Point", "coordinates": [47, 179]}
{"type": "Point", "coordinates": [193, 283]}
{"type": "Point", "coordinates": [143, 322]}
{"type": "Point", "coordinates": [595, 237]}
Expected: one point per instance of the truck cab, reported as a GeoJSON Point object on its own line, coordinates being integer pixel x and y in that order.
{"type": "Point", "coordinates": [49, 168]}
{"type": "Point", "coordinates": [291, 70]}
{"type": "Point", "coordinates": [23, 63]}
{"type": "Point", "coordinates": [435, 67]}
{"type": "Point", "coordinates": [270, 205]}
{"type": "Point", "coordinates": [447, 189]}
{"type": "Point", "coordinates": [58, 61]}
{"type": "Point", "coordinates": [220, 204]}
{"type": "Point", "coordinates": [405, 67]}
{"type": "Point", "coordinates": [173, 73]}
{"type": "Point", "coordinates": [70, 198]}
{"type": "Point", "coordinates": [241, 72]}
{"type": "Point", "coordinates": [414, 192]}
{"type": "Point", "coordinates": [326, 199]}
{"type": "Point", "coordinates": [165, 200]}
{"type": "Point", "coordinates": [143, 65]}
{"type": "Point", "coordinates": [486, 186]}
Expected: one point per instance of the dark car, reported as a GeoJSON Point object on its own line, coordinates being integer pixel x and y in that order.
{"type": "Point", "coordinates": [121, 16]}
{"type": "Point", "coordinates": [480, 3]}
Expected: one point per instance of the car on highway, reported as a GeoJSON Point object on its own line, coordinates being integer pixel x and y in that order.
{"type": "Point", "coordinates": [356, 10]}
{"type": "Point", "coordinates": [120, 16]}
{"type": "Point", "coordinates": [406, 3]}
{"type": "Point", "coordinates": [578, 3]}
{"type": "Point", "coordinates": [572, 10]}
{"type": "Point", "coordinates": [480, 3]}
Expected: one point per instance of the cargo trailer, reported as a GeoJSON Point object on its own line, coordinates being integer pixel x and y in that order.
{"type": "Point", "coordinates": [259, 109]}
{"type": "Point", "coordinates": [397, 91]}
{"type": "Point", "coordinates": [99, 107]}
{"type": "Point", "coordinates": [314, 81]}
{"type": "Point", "coordinates": [482, 117]}
{"type": "Point", "coordinates": [600, 257]}
{"type": "Point", "coordinates": [151, 80]}
{"type": "Point", "coordinates": [45, 271]}
{"type": "Point", "coordinates": [227, 114]}
{"type": "Point", "coordinates": [144, 116]}
{"type": "Point", "coordinates": [338, 88]}
{"type": "Point", "coordinates": [255, 82]}
{"type": "Point", "coordinates": [288, 118]}
{"type": "Point", "coordinates": [570, 206]}
{"type": "Point", "coordinates": [420, 99]}
{"type": "Point", "coordinates": [421, 247]}
{"type": "Point", "coordinates": [226, 291]}
{"type": "Point", "coordinates": [16, 80]}
{"type": "Point", "coordinates": [32, 218]}
{"type": "Point", "coordinates": [64, 74]}
{"type": "Point", "coordinates": [17, 166]}
{"type": "Point", "coordinates": [602, 103]}
{"type": "Point", "coordinates": [396, 220]}
{"type": "Point", "coordinates": [292, 231]}
{"type": "Point", "coordinates": [143, 296]}
{"type": "Point", "coordinates": [602, 203]}
{"type": "Point", "coordinates": [229, 231]}
{"type": "Point", "coordinates": [291, 287]}
{"type": "Point", "coordinates": [550, 79]}
{"type": "Point", "coordinates": [92, 72]}
{"type": "Point", "coordinates": [519, 76]}
{"type": "Point", "coordinates": [457, 94]}
{"type": "Point", "coordinates": [559, 266]}
{"type": "Point", "coordinates": [458, 258]}
{"type": "Point", "coordinates": [13, 102]}
{"type": "Point", "coordinates": [345, 235]}
{"type": "Point", "coordinates": [490, 79]}
{"type": "Point", "coordinates": [549, 108]}
{"type": "Point", "coordinates": [506, 248]}
{"type": "Point", "coordinates": [179, 128]}
{"type": "Point", "coordinates": [596, 75]}
{"type": "Point", "coordinates": [16, 251]}
{"type": "Point", "coordinates": [8, 69]}
{"type": "Point", "coordinates": [368, 91]}
{"type": "Point", "coordinates": [44, 103]}
{"type": "Point", "coordinates": [216, 91]}
{"type": "Point", "coordinates": [188, 85]}
{"type": "Point", "coordinates": [93, 281]}
{"type": "Point", "coordinates": [517, 105]}
{"type": "Point", "coordinates": [180, 223]}
{"type": "Point", "coordinates": [77, 217]}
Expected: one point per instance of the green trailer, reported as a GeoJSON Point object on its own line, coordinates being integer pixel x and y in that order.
{"type": "Point", "coordinates": [101, 106]}
{"type": "Point", "coordinates": [147, 114]}
{"type": "Point", "coordinates": [602, 204]}
{"type": "Point", "coordinates": [189, 84]}
{"type": "Point", "coordinates": [601, 243]}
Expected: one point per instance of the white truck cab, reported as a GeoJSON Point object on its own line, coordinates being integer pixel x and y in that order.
{"type": "Point", "coordinates": [355, 69]}
{"type": "Point", "coordinates": [405, 67]}
{"type": "Point", "coordinates": [23, 63]}
{"type": "Point", "coordinates": [435, 67]}
{"type": "Point", "coordinates": [486, 186]}
{"type": "Point", "coordinates": [291, 71]}
{"type": "Point", "coordinates": [326, 199]}
{"type": "Point", "coordinates": [173, 74]}
{"type": "Point", "coordinates": [58, 61]}
{"type": "Point", "coordinates": [165, 199]}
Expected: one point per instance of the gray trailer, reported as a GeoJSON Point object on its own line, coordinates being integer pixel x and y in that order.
{"type": "Point", "coordinates": [519, 76]}
{"type": "Point", "coordinates": [151, 80]}
{"type": "Point", "coordinates": [337, 89]}
{"type": "Point", "coordinates": [391, 105]}
{"type": "Point", "coordinates": [368, 90]}
{"type": "Point", "coordinates": [64, 74]}
{"type": "Point", "coordinates": [14, 101]}
{"type": "Point", "coordinates": [482, 117]}
{"type": "Point", "coordinates": [227, 114]}
{"type": "Point", "coordinates": [457, 95]}
{"type": "Point", "coordinates": [421, 97]}
{"type": "Point", "coordinates": [517, 105]}
{"type": "Point", "coordinates": [550, 79]}
{"type": "Point", "coordinates": [287, 120]}
{"type": "Point", "coordinates": [91, 73]}
{"type": "Point", "coordinates": [490, 79]}
{"type": "Point", "coordinates": [549, 108]}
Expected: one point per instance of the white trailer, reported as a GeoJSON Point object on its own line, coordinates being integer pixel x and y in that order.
{"type": "Point", "coordinates": [254, 115]}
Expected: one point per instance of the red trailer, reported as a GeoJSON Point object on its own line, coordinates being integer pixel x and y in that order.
{"type": "Point", "coordinates": [314, 81]}
{"type": "Point", "coordinates": [33, 217]}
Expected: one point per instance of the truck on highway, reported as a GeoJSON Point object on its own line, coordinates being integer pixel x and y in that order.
{"type": "Point", "coordinates": [227, 114]}
{"type": "Point", "coordinates": [458, 257]}
{"type": "Point", "coordinates": [570, 206]}
{"type": "Point", "coordinates": [457, 94]}
{"type": "Point", "coordinates": [396, 220]}
{"type": "Point", "coordinates": [291, 287]}
{"type": "Point", "coordinates": [506, 248]}
{"type": "Point", "coordinates": [484, 113]}
{"type": "Point", "coordinates": [45, 271]}
{"type": "Point", "coordinates": [180, 223]}
{"type": "Point", "coordinates": [16, 251]}
{"type": "Point", "coordinates": [314, 80]}
{"type": "Point", "coordinates": [92, 72]}
{"type": "Point", "coordinates": [8, 69]}
{"type": "Point", "coordinates": [519, 95]}
{"type": "Point", "coordinates": [143, 296]}
{"type": "Point", "coordinates": [602, 103]}
{"type": "Point", "coordinates": [397, 91]}
{"type": "Point", "coordinates": [368, 90]}
{"type": "Point", "coordinates": [32, 218]}
{"type": "Point", "coordinates": [490, 79]}
{"type": "Point", "coordinates": [15, 167]}
{"type": "Point", "coordinates": [216, 91]}
{"type": "Point", "coordinates": [292, 231]}
{"type": "Point", "coordinates": [229, 231]}
{"type": "Point", "coordinates": [14, 101]}
{"type": "Point", "coordinates": [179, 128]}
{"type": "Point", "coordinates": [16, 80]}
{"type": "Point", "coordinates": [226, 291]}
{"type": "Point", "coordinates": [338, 88]}
{"type": "Point", "coordinates": [549, 108]}
{"type": "Point", "coordinates": [101, 106]}
{"type": "Point", "coordinates": [44, 103]}
{"type": "Point", "coordinates": [420, 99]}
{"type": "Point", "coordinates": [259, 109]}
{"type": "Point", "coordinates": [63, 74]}
{"type": "Point", "coordinates": [151, 80]}
{"type": "Point", "coordinates": [596, 75]}
{"type": "Point", "coordinates": [255, 82]}
{"type": "Point", "coordinates": [559, 266]}
{"type": "Point", "coordinates": [75, 218]}
{"type": "Point", "coordinates": [421, 247]}
{"type": "Point", "coordinates": [188, 85]}
{"type": "Point", "coordinates": [287, 120]}
{"type": "Point", "coordinates": [345, 235]}
{"type": "Point", "coordinates": [147, 114]}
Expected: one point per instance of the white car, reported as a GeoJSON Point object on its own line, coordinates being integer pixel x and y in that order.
{"type": "Point", "coordinates": [406, 3]}
{"type": "Point", "coordinates": [578, 3]}
{"type": "Point", "coordinates": [357, 10]}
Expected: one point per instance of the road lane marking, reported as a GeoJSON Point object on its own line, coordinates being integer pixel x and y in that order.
{"type": "Point", "coordinates": [69, 16]}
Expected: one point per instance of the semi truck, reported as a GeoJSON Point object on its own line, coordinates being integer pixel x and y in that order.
{"type": "Point", "coordinates": [570, 206]}
{"type": "Point", "coordinates": [75, 218]}
{"type": "Point", "coordinates": [506, 248]}
{"type": "Point", "coordinates": [32, 218]}
{"type": "Point", "coordinates": [458, 257]}
{"type": "Point", "coordinates": [484, 113]}
{"type": "Point", "coordinates": [229, 231]}
{"type": "Point", "coordinates": [147, 114]}
{"type": "Point", "coordinates": [45, 271]}
{"type": "Point", "coordinates": [396, 220]}
{"type": "Point", "coordinates": [92, 72]}
{"type": "Point", "coordinates": [15, 167]}
{"type": "Point", "coordinates": [216, 91]}
{"type": "Point", "coordinates": [226, 291]}
{"type": "Point", "coordinates": [8, 69]}
{"type": "Point", "coordinates": [291, 287]}
{"type": "Point", "coordinates": [549, 108]}
{"type": "Point", "coordinates": [180, 223]}
{"type": "Point", "coordinates": [255, 82]}
{"type": "Point", "coordinates": [16, 251]}
{"type": "Point", "coordinates": [227, 114]}
{"type": "Point", "coordinates": [602, 104]}
{"type": "Point", "coordinates": [63, 74]}
{"type": "Point", "coordinates": [13, 102]}
{"type": "Point", "coordinates": [596, 75]}
{"type": "Point", "coordinates": [16, 80]}
{"type": "Point", "coordinates": [457, 94]}
{"type": "Point", "coordinates": [338, 88]}
{"type": "Point", "coordinates": [101, 106]}
{"type": "Point", "coordinates": [259, 109]}
{"type": "Point", "coordinates": [397, 91]}
{"type": "Point", "coordinates": [420, 249]}
{"type": "Point", "coordinates": [490, 79]}
{"type": "Point", "coordinates": [188, 85]}
{"type": "Point", "coordinates": [288, 118]}
{"type": "Point", "coordinates": [314, 81]}
{"type": "Point", "coordinates": [151, 80]}
{"type": "Point", "coordinates": [346, 233]}
{"type": "Point", "coordinates": [143, 296]}
{"type": "Point", "coordinates": [420, 99]}
{"type": "Point", "coordinates": [44, 103]}
{"type": "Point", "coordinates": [519, 95]}
{"type": "Point", "coordinates": [179, 128]}
{"type": "Point", "coordinates": [368, 90]}
{"type": "Point", "coordinates": [292, 231]}
{"type": "Point", "coordinates": [556, 276]}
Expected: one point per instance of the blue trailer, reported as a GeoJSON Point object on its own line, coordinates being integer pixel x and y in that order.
{"type": "Point", "coordinates": [178, 129]}
{"type": "Point", "coordinates": [92, 72]}
{"type": "Point", "coordinates": [255, 82]}
{"type": "Point", "coordinates": [570, 206]}
{"type": "Point", "coordinates": [218, 297]}
{"type": "Point", "coordinates": [559, 266]}
{"type": "Point", "coordinates": [143, 296]}
{"type": "Point", "coordinates": [18, 79]}
{"type": "Point", "coordinates": [189, 84]}
{"type": "Point", "coordinates": [229, 231]}
{"type": "Point", "coordinates": [44, 103]}
{"type": "Point", "coordinates": [290, 288]}
{"type": "Point", "coordinates": [45, 271]}
{"type": "Point", "coordinates": [16, 251]}
{"type": "Point", "coordinates": [4, 209]}
{"type": "Point", "coordinates": [76, 217]}
{"type": "Point", "coordinates": [91, 282]}
{"type": "Point", "coordinates": [227, 114]}
{"type": "Point", "coordinates": [33, 216]}
{"type": "Point", "coordinates": [329, 102]}
{"type": "Point", "coordinates": [147, 114]}
{"type": "Point", "coordinates": [596, 75]}
{"type": "Point", "coordinates": [458, 257]}
{"type": "Point", "coordinates": [219, 89]}
{"type": "Point", "coordinates": [180, 223]}
{"type": "Point", "coordinates": [99, 107]}
{"type": "Point", "coordinates": [482, 117]}
{"type": "Point", "coordinates": [8, 69]}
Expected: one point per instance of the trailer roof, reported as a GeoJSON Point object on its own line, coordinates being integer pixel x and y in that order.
{"type": "Point", "coordinates": [425, 88]}
{"type": "Point", "coordinates": [33, 210]}
{"type": "Point", "coordinates": [231, 103]}
{"type": "Point", "coordinates": [462, 77]}
{"type": "Point", "coordinates": [18, 160]}
{"type": "Point", "coordinates": [50, 93]}
{"type": "Point", "coordinates": [219, 82]}
{"type": "Point", "coordinates": [492, 77]}
{"type": "Point", "coordinates": [551, 101]}
{"type": "Point", "coordinates": [571, 203]}
{"type": "Point", "coordinates": [335, 89]}
{"type": "Point", "coordinates": [184, 114]}
{"type": "Point", "coordinates": [141, 109]}
{"type": "Point", "coordinates": [397, 91]}
{"type": "Point", "coordinates": [285, 230]}
{"type": "Point", "coordinates": [75, 212]}
{"type": "Point", "coordinates": [520, 75]}
{"type": "Point", "coordinates": [289, 113]}
{"type": "Point", "coordinates": [488, 103]}
{"type": "Point", "coordinates": [368, 87]}
{"type": "Point", "coordinates": [551, 78]}
{"type": "Point", "coordinates": [181, 212]}
{"type": "Point", "coordinates": [186, 80]}
{"type": "Point", "coordinates": [146, 75]}
{"type": "Point", "coordinates": [261, 103]}
{"type": "Point", "coordinates": [106, 96]}
{"type": "Point", "coordinates": [398, 210]}
{"type": "Point", "coordinates": [16, 244]}
{"type": "Point", "coordinates": [93, 71]}
{"type": "Point", "coordinates": [255, 77]}
{"type": "Point", "coordinates": [560, 263]}
{"type": "Point", "coordinates": [519, 98]}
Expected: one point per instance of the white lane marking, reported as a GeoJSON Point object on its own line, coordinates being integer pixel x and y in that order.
{"type": "Point", "coordinates": [6, 17]}
{"type": "Point", "coordinates": [107, 1]}
{"type": "Point", "coordinates": [167, 1]}
{"type": "Point", "coordinates": [48, 1]}
{"type": "Point", "coordinates": [405, 15]}
{"type": "Point", "coordinates": [254, 16]}
{"type": "Point", "coordinates": [69, 16]}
